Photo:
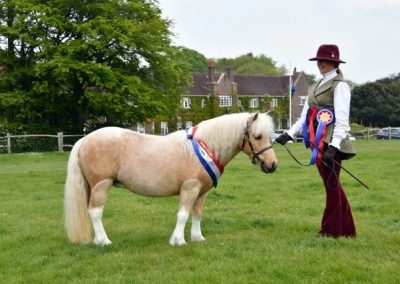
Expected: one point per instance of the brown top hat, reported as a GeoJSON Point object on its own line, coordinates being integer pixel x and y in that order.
{"type": "Point", "coordinates": [328, 52]}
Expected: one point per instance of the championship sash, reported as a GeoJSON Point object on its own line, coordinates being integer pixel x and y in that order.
{"type": "Point", "coordinates": [209, 160]}
{"type": "Point", "coordinates": [314, 138]}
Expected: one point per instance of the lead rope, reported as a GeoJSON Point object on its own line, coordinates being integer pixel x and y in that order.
{"type": "Point", "coordinates": [307, 165]}
{"type": "Point", "coordinates": [331, 167]}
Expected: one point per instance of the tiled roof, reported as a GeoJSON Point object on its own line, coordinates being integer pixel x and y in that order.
{"type": "Point", "coordinates": [261, 85]}
{"type": "Point", "coordinates": [247, 85]}
{"type": "Point", "coordinates": [199, 84]}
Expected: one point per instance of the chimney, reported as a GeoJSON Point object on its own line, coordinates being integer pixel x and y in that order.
{"type": "Point", "coordinates": [229, 73]}
{"type": "Point", "coordinates": [211, 72]}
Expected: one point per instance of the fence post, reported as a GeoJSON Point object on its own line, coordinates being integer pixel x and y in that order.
{"type": "Point", "coordinates": [368, 134]}
{"type": "Point", "coordinates": [60, 140]}
{"type": "Point", "coordinates": [8, 143]}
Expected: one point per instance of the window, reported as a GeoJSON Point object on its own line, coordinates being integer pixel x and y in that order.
{"type": "Point", "coordinates": [141, 128]}
{"type": "Point", "coordinates": [185, 102]}
{"type": "Point", "coordinates": [254, 102]}
{"type": "Point", "coordinates": [225, 101]}
{"type": "Point", "coordinates": [203, 102]}
{"type": "Point", "coordinates": [274, 103]}
{"type": "Point", "coordinates": [302, 100]}
{"type": "Point", "coordinates": [189, 124]}
{"type": "Point", "coordinates": [164, 127]}
{"type": "Point", "coordinates": [179, 125]}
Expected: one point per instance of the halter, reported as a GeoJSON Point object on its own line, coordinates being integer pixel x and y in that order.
{"type": "Point", "coordinates": [256, 155]}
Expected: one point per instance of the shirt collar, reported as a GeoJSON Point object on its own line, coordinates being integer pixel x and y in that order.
{"type": "Point", "coordinates": [329, 75]}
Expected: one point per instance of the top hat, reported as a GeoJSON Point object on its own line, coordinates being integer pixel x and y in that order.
{"type": "Point", "coordinates": [328, 52]}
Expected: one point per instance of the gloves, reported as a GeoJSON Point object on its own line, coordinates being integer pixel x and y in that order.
{"type": "Point", "coordinates": [329, 154]}
{"type": "Point", "coordinates": [283, 138]}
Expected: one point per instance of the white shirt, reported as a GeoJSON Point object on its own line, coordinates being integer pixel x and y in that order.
{"type": "Point", "coordinates": [341, 104]}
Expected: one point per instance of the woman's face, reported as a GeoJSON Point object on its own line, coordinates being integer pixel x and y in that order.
{"type": "Point", "coordinates": [325, 66]}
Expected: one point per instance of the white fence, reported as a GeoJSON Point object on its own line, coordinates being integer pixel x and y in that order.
{"type": "Point", "coordinates": [60, 142]}
{"type": "Point", "coordinates": [386, 133]}
{"type": "Point", "coordinates": [37, 142]}
{"type": "Point", "coordinates": [367, 134]}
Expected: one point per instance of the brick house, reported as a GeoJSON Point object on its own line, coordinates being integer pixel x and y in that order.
{"type": "Point", "coordinates": [238, 92]}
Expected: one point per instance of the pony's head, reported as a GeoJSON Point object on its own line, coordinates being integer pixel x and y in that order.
{"type": "Point", "coordinates": [257, 143]}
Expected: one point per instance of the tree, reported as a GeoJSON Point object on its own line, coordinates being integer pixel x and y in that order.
{"type": "Point", "coordinates": [311, 78]}
{"type": "Point", "coordinates": [70, 61]}
{"type": "Point", "coordinates": [195, 61]}
{"type": "Point", "coordinates": [377, 103]}
{"type": "Point", "coordinates": [251, 65]}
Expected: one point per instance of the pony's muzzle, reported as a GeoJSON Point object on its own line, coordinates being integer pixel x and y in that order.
{"type": "Point", "coordinates": [268, 169]}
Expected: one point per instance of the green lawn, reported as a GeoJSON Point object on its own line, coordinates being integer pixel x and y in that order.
{"type": "Point", "coordinates": [259, 228]}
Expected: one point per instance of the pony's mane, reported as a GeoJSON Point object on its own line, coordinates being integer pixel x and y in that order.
{"type": "Point", "coordinates": [223, 133]}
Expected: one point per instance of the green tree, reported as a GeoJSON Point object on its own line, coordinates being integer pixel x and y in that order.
{"type": "Point", "coordinates": [71, 61]}
{"type": "Point", "coordinates": [311, 79]}
{"type": "Point", "coordinates": [281, 112]}
{"type": "Point", "coordinates": [251, 65]}
{"type": "Point", "coordinates": [195, 61]}
{"type": "Point", "coordinates": [377, 103]}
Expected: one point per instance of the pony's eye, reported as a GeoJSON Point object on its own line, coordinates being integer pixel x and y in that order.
{"type": "Point", "coordinates": [258, 137]}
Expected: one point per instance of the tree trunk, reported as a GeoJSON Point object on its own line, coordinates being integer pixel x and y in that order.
{"type": "Point", "coordinates": [10, 39]}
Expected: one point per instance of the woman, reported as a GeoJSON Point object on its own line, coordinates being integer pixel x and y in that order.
{"type": "Point", "coordinates": [324, 122]}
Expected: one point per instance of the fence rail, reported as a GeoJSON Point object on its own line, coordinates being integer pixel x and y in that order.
{"type": "Point", "coordinates": [48, 142]}
{"type": "Point", "coordinates": [366, 134]}
{"type": "Point", "coordinates": [37, 142]}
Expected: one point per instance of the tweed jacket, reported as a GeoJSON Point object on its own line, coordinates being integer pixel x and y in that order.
{"type": "Point", "coordinates": [322, 96]}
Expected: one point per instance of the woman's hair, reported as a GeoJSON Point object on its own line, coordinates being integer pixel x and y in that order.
{"type": "Point", "coordinates": [338, 71]}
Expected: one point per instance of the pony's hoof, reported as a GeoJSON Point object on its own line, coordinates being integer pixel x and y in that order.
{"type": "Point", "coordinates": [198, 238]}
{"type": "Point", "coordinates": [177, 242]}
{"type": "Point", "coordinates": [102, 242]}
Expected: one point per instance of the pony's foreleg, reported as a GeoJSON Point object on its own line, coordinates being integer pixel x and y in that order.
{"type": "Point", "coordinates": [97, 201]}
{"type": "Point", "coordinates": [196, 235]}
{"type": "Point", "coordinates": [188, 194]}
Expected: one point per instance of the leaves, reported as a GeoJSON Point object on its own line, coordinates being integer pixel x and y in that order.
{"type": "Point", "coordinates": [251, 65]}
{"type": "Point", "coordinates": [377, 103]}
{"type": "Point", "coordinates": [108, 58]}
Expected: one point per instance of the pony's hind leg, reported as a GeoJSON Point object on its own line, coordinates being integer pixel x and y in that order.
{"type": "Point", "coordinates": [196, 235]}
{"type": "Point", "coordinates": [98, 197]}
{"type": "Point", "coordinates": [188, 194]}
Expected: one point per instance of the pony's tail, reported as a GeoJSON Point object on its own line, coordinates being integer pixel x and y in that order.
{"type": "Point", "coordinates": [77, 223]}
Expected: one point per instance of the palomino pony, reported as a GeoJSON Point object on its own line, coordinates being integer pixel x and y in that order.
{"type": "Point", "coordinates": [159, 166]}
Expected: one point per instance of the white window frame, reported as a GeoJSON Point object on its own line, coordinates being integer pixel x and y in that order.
{"type": "Point", "coordinates": [225, 101]}
{"type": "Point", "coordinates": [186, 102]}
{"type": "Point", "coordinates": [203, 102]}
{"type": "Point", "coordinates": [302, 100]}
{"type": "Point", "coordinates": [274, 102]}
{"type": "Point", "coordinates": [254, 102]}
{"type": "Point", "coordinates": [141, 128]}
{"type": "Point", "coordinates": [164, 128]}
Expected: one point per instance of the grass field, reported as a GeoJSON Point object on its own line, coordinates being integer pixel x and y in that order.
{"type": "Point", "coordinates": [259, 228]}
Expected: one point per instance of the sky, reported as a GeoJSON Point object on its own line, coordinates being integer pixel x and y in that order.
{"type": "Point", "coordinates": [290, 31]}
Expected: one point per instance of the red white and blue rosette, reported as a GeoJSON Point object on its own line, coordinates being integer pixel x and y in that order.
{"type": "Point", "coordinates": [314, 139]}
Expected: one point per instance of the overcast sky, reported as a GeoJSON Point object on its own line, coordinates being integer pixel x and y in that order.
{"type": "Point", "coordinates": [366, 31]}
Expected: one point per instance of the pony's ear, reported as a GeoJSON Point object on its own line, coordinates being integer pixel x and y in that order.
{"type": "Point", "coordinates": [255, 116]}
